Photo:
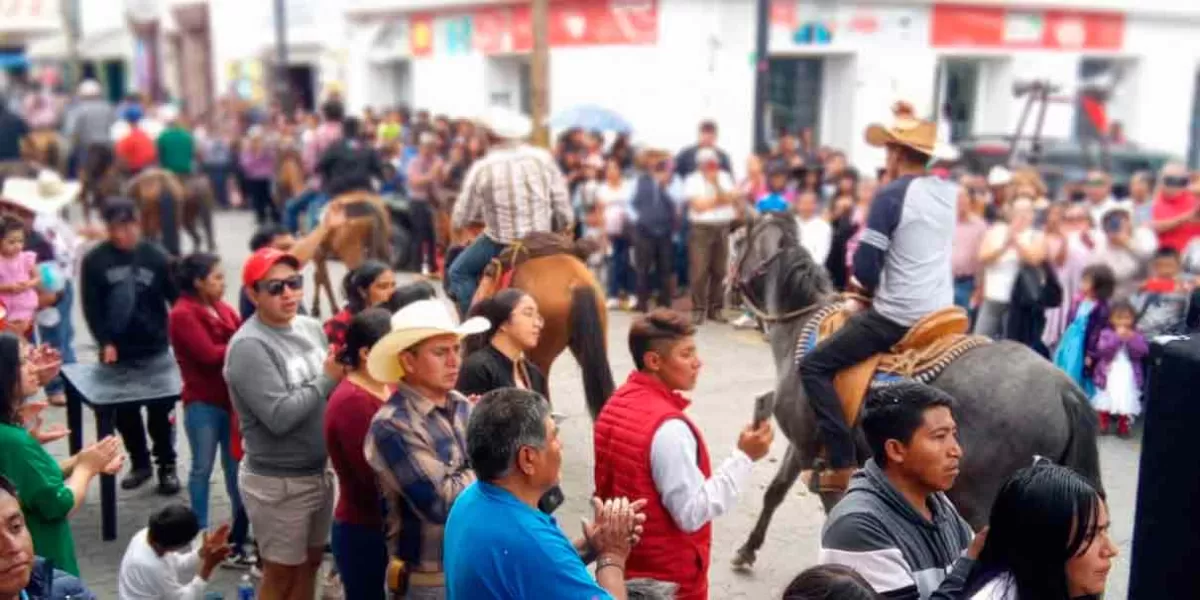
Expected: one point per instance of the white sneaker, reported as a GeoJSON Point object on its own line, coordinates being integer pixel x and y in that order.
{"type": "Point", "coordinates": [745, 322]}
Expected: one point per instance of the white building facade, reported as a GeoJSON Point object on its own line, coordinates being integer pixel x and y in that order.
{"type": "Point", "coordinates": [834, 66]}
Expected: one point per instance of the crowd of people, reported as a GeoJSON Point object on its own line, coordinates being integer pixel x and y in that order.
{"type": "Point", "coordinates": [420, 447]}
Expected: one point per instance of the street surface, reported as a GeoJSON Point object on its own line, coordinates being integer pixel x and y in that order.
{"type": "Point", "coordinates": [737, 366]}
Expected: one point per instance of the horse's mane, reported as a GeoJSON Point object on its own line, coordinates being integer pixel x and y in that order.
{"type": "Point", "coordinates": [802, 282]}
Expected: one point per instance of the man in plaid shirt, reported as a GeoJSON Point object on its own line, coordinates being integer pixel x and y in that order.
{"type": "Point", "coordinates": [417, 442]}
{"type": "Point", "coordinates": [517, 189]}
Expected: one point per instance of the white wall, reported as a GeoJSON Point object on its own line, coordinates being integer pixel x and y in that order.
{"type": "Point", "coordinates": [1168, 53]}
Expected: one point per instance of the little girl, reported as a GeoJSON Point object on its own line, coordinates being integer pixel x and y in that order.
{"type": "Point", "coordinates": [1117, 371]}
{"type": "Point", "coordinates": [1088, 315]}
{"type": "Point", "coordinates": [18, 275]}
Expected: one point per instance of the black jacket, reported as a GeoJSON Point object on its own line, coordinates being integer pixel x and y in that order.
{"type": "Point", "coordinates": [126, 297]}
{"type": "Point", "coordinates": [487, 369]}
{"type": "Point", "coordinates": [349, 166]}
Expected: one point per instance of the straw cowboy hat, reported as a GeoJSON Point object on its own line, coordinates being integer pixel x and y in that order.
{"type": "Point", "coordinates": [47, 194]}
{"type": "Point", "coordinates": [507, 124]}
{"type": "Point", "coordinates": [412, 325]}
{"type": "Point", "coordinates": [906, 130]}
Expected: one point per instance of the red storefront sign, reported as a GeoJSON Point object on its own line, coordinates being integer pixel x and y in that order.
{"type": "Point", "coordinates": [420, 34]}
{"type": "Point", "coordinates": [993, 27]}
{"type": "Point", "coordinates": [502, 29]}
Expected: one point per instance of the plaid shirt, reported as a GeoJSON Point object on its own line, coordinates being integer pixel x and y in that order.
{"type": "Point", "coordinates": [419, 452]}
{"type": "Point", "coordinates": [517, 190]}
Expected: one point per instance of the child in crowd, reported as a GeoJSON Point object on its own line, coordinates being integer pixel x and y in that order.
{"type": "Point", "coordinates": [1117, 370]}
{"type": "Point", "coordinates": [1088, 315]}
{"type": "Point", "coordinates": [778, 198]}
{"type": "Point", "coordinates": [18, 276]}
{"type": "Point", "coordinates": [1162, 300]}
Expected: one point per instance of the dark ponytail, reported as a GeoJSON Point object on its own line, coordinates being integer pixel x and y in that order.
{"type": "Point", "coordinates": [356, 283]}
{"type": "Point", "coordinates": [365, 329]}
{"type": "Point", "coordinates": [198, 265]}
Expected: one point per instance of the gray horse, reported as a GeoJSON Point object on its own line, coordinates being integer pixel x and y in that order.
{"type": "Point", "coordinates": [1012, 403]}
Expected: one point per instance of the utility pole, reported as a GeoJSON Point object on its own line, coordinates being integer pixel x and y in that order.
{"type": "Point", "coordinates": [282, 85]}
{"type": "Point", "coordinates": [539, 73]}
{"type": "Point", "coordinates": [73, 71]}
{"type": "Point", "coordinates": [761, 71]}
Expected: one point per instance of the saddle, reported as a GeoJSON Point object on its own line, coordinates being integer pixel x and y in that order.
{"type": "Point", "coordinates": [497, 276]}
{"type": "Point", "coordinates": [929, 346]}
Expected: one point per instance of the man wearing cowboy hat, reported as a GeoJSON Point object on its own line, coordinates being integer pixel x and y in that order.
{"type": "Point", "coordinates": [516, 189]}
{"type": "Point", "coordinates": [417, 441]}
{"type": "Point", "coordinates": [902, 264]}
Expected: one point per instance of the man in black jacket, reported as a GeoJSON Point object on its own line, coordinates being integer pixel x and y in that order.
{"type": "Point", "coordinates": [127, 291]}
{"type": "Point", "coordinates": [655, 217]}
{"type": "Point", "coordinates": [350, 164]}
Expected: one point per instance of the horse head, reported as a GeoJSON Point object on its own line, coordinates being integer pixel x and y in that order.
{"type": "Point", "coordinates": [778, 278]}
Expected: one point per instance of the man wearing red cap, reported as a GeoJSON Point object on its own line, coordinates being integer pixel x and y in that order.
{"type": "Point", "coordinates": [280, 372]}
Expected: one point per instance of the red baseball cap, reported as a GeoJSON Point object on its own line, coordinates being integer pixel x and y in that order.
{"type": "Point", "coordinates": [261, 261]}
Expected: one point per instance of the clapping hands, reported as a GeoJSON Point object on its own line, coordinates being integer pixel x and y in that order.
{"type": "Point", "coordinates": [616, 526]}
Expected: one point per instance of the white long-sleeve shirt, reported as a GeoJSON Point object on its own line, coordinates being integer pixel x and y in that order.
{"type": "Point", "coordinates": [691, 500]}
{"type": "Point", "coordinates": [145, 575]}
{"type": "Point", "coordinates": [816, 236]}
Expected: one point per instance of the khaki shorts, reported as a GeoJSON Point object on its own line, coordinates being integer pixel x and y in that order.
{"type": "Point", "coordinates": [289, 515]}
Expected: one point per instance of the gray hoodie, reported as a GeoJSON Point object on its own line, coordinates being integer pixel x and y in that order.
{"type": "Point", "coordinates": [278, 385]}
{"type": "Point", "coordinates": [901, 554]}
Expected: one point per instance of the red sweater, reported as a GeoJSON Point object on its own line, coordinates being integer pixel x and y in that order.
{"type": "Point", "coordinates": [199, 336]}
{"type": "Point", "coordinates": [623, 433]}
{"type": "Point", "coordinates": [347, 419]}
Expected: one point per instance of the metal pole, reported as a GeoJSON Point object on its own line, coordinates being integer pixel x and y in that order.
{"type": "Point", "coordinates": [72, 71]}
{"type": "Point", "coordinates": [539, 73]}
{"type": "Point", "coordinates": [762, 64]}
{"type": "Point", "coordinates": [282, 87]}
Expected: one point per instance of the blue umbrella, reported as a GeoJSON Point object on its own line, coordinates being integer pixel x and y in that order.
{"type": "Point", "coordinates": [591, 118]}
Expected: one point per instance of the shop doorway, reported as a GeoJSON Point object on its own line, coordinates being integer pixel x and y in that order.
{"type": "Point", "coordinates": [510, 83]}
{"type": "Point", "coordinates": [957, 96]}
{"type": "Point", "coordinates": [794, 87]}
{"type": "Point", "coordinates": [390, 84]}
{"type": "Point", "coordinates": [302, 85]}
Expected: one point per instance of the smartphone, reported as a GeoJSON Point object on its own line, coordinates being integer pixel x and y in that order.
{"type": "Point", "coordinates": [551, 500]}
{"type": "Point", "coordinates": [764, 405]}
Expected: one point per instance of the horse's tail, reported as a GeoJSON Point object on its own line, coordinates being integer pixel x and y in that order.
{"type": "Point", "coordinates": [1081, 453]}
{"type": "Point", "coordinates": [587, 343]}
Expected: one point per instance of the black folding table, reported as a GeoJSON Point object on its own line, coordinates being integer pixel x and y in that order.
{"type": "Point", "coordinates": [106, 388]}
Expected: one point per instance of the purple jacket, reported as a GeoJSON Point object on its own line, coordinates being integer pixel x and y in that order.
{"type": "Point", "coordinates": [1097, 321]}
{"type": "Point", "coordinates": [1106, 350]}
{"type": "Point", "coordinates": [258, 165]}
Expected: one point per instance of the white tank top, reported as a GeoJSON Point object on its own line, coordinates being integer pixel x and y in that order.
{"type": "Point", "coordinates": [1000, 276]}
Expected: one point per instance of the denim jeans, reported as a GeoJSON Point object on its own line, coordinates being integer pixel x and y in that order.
{"type": "Point", "coordinates": [361, 555]}
{"type": "Point", "coordinates": [218, 176]}
{"type": "Point", "coordinates": [208, 427]}
{"type": "Point", "coordinates": [964, 287]}
{"type": "Point", "coordinates": [621, 277]}
{"type": "Point", "coordinates": [309, 201]}
{"type": "Point", "coordinates": [61, 337]}
{"type": "Point", "coordinates": [463, 275]}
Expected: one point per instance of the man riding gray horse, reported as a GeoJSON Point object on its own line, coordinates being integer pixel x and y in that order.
{"type": "Point", "coordinates": [902, 264]}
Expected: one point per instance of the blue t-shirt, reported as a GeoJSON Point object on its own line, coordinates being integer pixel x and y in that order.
{"type": "Point", "coordinates": [499, 548]}
{"type": "Point", "coordinates": [771, 203]}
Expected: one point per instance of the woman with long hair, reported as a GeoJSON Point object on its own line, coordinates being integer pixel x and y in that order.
{"type": "Point", "coordinates": [829, 582]}
{"type": "Point", "coordinates": [49, 490]}
{"type": "Point", "coordinates": [1047, 539]}
{"type": "Point", "coordinates": [371, 284]}
{"type": "Point", "coordinates": [359, 538]}
{"type": "Point", "coordinates": [496, 357]}
{"type": "Point", "coordinates": [199, 328]}
{"type": "Point", "coordinates": [612, 198]}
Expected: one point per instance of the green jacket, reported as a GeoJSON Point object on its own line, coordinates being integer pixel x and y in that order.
{"type": "Point", "coordinates": [176, 150]}
{"type": "Point", "coordinates": [45, 498]}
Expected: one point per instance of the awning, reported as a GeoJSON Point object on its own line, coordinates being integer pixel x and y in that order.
{"type": "Point", "coordinates": [110, 44]}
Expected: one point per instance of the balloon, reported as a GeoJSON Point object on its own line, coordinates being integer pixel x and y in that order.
{"type": "Point", "coordinates": [52, 277]}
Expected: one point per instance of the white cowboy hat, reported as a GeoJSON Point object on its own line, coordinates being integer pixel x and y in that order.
{"type": "Point", "coordinates": [47, 194]}
{"type": "Point", "coordinates": [412, 325]}
{"type": "Point", "coordinates": [89, 88]}
{"type": "Point", "coordinates": [507, 124]}
{"type": "Point", "coordinates": [999, 176]}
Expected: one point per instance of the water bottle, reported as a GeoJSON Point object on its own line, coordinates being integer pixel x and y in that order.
{"type": "Point", "coordinates": [245, 588]}
{"type": "Point", "coordinates": [214, 596]}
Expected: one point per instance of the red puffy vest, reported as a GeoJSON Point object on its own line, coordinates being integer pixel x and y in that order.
{"type": "Point", "coordinates": [623, 435]}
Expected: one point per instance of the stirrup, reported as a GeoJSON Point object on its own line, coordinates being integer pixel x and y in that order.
{"type": "Point", "coordinates": [834, 481]}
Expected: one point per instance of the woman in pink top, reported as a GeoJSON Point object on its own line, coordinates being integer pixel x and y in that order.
{"type": "Point", "coordinates": [1069, 246]}
{"type": "Point", "coordinates": [18, 275]}
{"type": "Point", "coordinates": [257, 162]}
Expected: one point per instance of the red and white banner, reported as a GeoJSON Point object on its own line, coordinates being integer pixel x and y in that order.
{"type": "Point", "coordinates": [1002, 28]}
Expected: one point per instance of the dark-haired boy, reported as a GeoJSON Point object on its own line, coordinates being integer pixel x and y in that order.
{"type": "Point", "coordinates": [895, 525]}
{"type": "Point", "coordinates": [160, 557]}
{"type": "Point", "coordinates": [278, 237]}
{"type": "Point", "coordinates": [1162, 300]}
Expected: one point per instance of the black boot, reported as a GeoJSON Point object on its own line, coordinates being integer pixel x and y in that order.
{"type": "Point", "coordinates": [136, 477]}
{"type": "Point", "coordinates": [168, 482]}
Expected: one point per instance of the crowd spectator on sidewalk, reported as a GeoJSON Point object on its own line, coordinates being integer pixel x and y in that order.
{"type": "Point", "coordinates": [969, 231]}
{"type": "Point", "coordinates": [161, 557]}
{"type": "Point", "coordinates": [176, 146]}
{"type": "Point", "coordinates": [215, 151]}
{"type": "Point", "coordinates": [1141, 196]}
{"type": "Point", "coordinates": [1006, 247]}
{"type": "Point", "coordinates": [200, 326]}
{"type": "Point", "coordinates": [280, 373]}
{"type": "Point", "coordinates": [24, 574]}
{"type": "Point", "coordinates": [613, 195]}
{"type": "Point", "coordinates": [514, 445]}
{"type": "Point", "coordinates": [1125, 249]}
{"type": "Point", "coordinates": [273, 235]}
{"type": "Point", "coordinates": [1176, 210]}
{"type": "Point", "coordinates": [1048, 537]}
{"type": "Point", "coordinates": [1162, 300]}
{"type": "Point", "coordinates": [709, 192]}
{"type": "Point", "coordinates": [358, 537]}
{"type": "Point", "coordinates": [1069, 246]}
{"type": "Point", "coordinates": [816, 235]}
{"type": "Point", "coordinates": [647, 448]}
{"type": "Point", "coordinates": [49, 490]}
{"type": "Point", "coordinates": [895, 525]}
{"type": "Point", "coordinates": [1098, 196]}
{"type": "Point", "coordinates": [19, 277]}
{"type": "Point", "coordinates": [496, 358]}
{"type": "Point", "coordinates": [371, 284]}
{"type": "Point", "coordinates": [417, 442]}
{"type": "Point", "coordinates": [257, 162]}
{"type": "Point", "coordinates": [655, 223]}
{"type": "Point", "coordinates": [127, 290]}
{"type": "Point", "coordinates": [687, 161]}
{"type": "Point", "coordinates": [424, 176]}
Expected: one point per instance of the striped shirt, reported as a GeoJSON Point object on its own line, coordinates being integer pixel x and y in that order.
{"type": "Point", "coordinates": [516, 190]}
{"type": "Point", "coordinates": [419, 451]}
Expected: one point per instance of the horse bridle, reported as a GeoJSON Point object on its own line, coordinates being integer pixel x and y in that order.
{"type": "Point", "coordinates": [745, 285]}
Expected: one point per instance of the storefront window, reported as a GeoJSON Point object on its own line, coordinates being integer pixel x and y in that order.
{"type": "Point", "coordinates": [794, 95]}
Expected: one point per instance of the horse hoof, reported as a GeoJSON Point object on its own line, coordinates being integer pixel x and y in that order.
{"type": "Point", "coordinates": [743, 560]}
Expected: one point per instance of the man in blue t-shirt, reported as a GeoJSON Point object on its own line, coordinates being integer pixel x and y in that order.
{"type": "Point", "coordinates": [498, 545]}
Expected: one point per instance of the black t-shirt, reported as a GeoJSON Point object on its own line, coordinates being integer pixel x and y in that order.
{"type": "Point", "coordinates": [487, 369]}
{"type": "Point", "coordinates": [126, 297]}
{"type": "Point", "coordinates": [12, 130]}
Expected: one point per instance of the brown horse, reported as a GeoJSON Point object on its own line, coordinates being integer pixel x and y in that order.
{"type": "Point", "coordinates": [166, 204]}
{"type": "Point", "coordinates": [571, 303]}
{"type": "Point", "coordinates": [44, 146]}
{"type": "Point", "coordinates": [364, 236]}
{"type": "Point", "coordinates": [289, 177]}
{"type": "Point", "coordinates": [100, 176]}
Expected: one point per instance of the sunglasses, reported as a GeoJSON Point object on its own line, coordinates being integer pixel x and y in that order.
{"type": "Point", "coordinates": [274, 287]}
{"type": "Point", "coordinates": [1177, 181]}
